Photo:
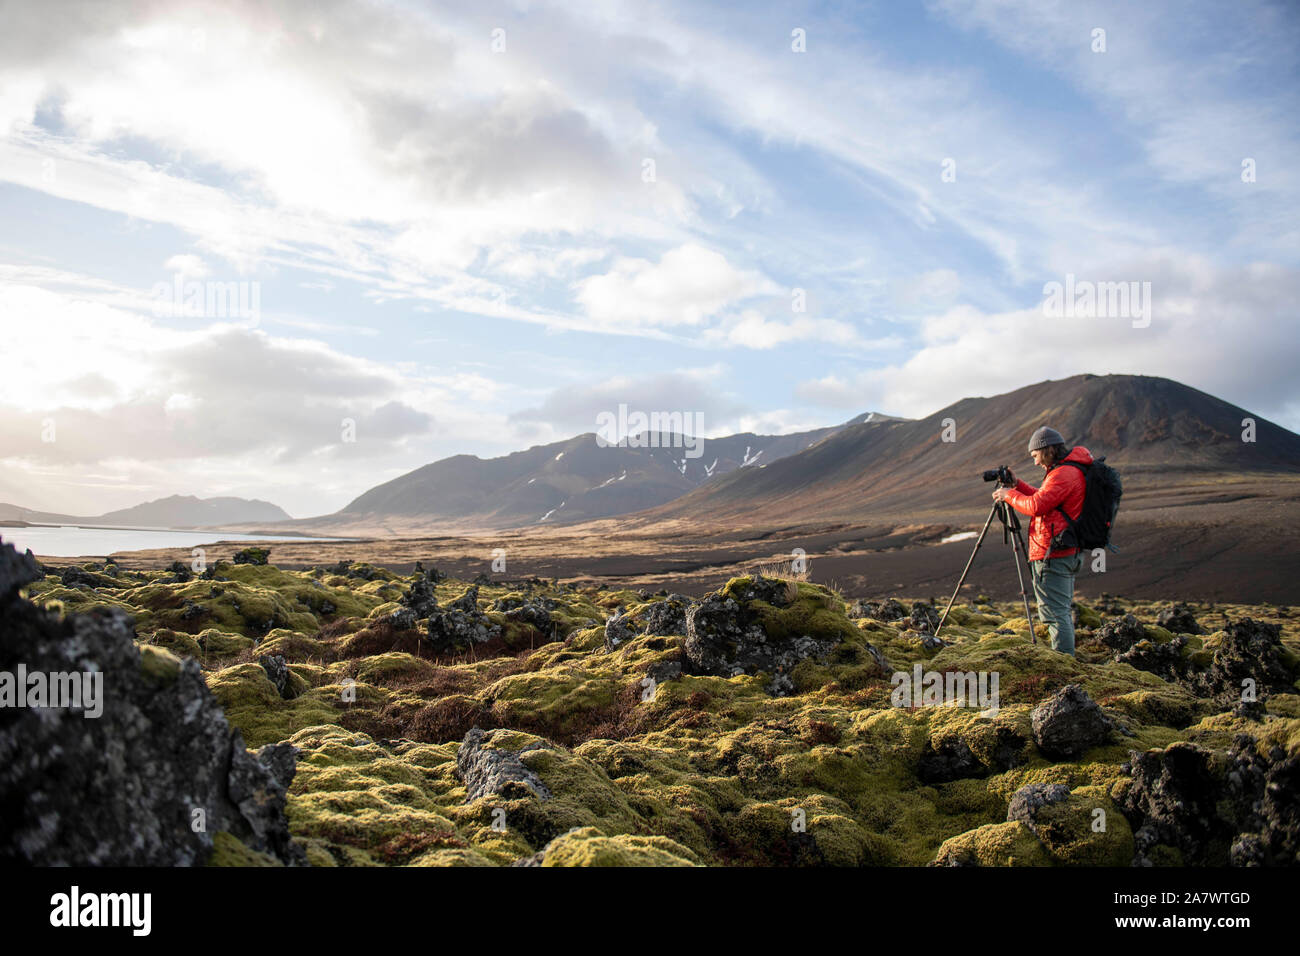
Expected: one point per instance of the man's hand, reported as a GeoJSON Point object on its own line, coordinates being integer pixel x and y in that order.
{"type": "Point", "coordinates": [1000, 494]}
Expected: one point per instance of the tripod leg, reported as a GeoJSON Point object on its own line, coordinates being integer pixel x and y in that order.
{"type": "Point", "coordinates": [1018, 547]}
{"type": "Point", "coordinates": [966, 570]}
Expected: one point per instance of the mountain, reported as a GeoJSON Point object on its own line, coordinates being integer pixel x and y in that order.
{"type": "Point", "coordinates": [571, 480]}
{"type": "Point", "coordinates": [1172, 444]}
{"type": "Point", "coordinates": [177, 511]}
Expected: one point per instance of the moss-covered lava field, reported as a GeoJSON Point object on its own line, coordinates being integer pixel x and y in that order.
{"type": "Point", "coordinates": [754, 726]}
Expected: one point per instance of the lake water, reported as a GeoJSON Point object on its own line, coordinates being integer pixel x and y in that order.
{"type": "Point", "coordinates": [70, 541]}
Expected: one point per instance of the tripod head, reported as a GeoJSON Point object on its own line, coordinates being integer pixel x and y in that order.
{"type": "Point", "coordinates": [1009, 517]}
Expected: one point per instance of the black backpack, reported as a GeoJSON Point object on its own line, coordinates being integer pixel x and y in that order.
{"type": "Point", "coordinates": [1101, 495]}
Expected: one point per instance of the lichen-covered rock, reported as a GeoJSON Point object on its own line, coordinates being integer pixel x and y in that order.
{"type": "Point", "coordinates": [254, 556]}
{"type": "Point", "coordinates": [1077, 828]}
{"type": "Point", "coordinates": [763, 625]}
{"type": "Point", "coordinates": [667, 616]}
{"type": "Point", "coordinates": [488, 770]}
{"type": "Point", "coordinates": [1032, 797]}
{"type": "Point", "coordinates": [149, 781]}
{"type": "Point", "coordinates": [1069, 723]}
{"type": "Point", "coordinates": [461, 625]}
{"type": "Point", "coordinates": [618, 629]}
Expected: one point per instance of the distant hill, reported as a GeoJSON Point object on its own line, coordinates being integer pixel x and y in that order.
{"type": "Point", "coordinates": [1162, 435]}
{"type": "Point", "coordinates": [572, 480]}
{"type": "Point", "coordinates": [177, 511]}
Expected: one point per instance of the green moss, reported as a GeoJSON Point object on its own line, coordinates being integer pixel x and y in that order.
{"type": "Point", "coordinates": [994, 844]}
{"type": "Point", "coordinates": [254, 706]}
{"type": "Point", "coordinates": [182, 645]}
{"type": "Point", "coordinates": [228, 851]}
{"type": "Point", "coordinates": [158, 665]}
{"type": "Point", "coordinates": [1087, 616]}
{"type": "Point", "coordinates": [708, 770]}
{"type": "Point", "coordinates": [587, 846]}
{"type": "Point", "coordinates": [393, 667]}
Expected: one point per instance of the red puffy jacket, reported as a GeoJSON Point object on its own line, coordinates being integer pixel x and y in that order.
{"type": "Point", "coordinates": [1063, 485]}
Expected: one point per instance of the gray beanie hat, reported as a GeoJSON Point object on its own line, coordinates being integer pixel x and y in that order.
{"type": "Point", "coordinates": [1044, 438]}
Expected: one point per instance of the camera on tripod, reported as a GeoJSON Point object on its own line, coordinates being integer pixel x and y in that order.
{"type": "Point", "coordinates": [1001, 474]}
{"type": "Point", "coordinates": [1010, 535]}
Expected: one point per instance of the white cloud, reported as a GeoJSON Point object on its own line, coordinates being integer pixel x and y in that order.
{"type": "Point", "coordinates": [1225, 330]}
{"type": "Point", "coordinates": [686, 287]}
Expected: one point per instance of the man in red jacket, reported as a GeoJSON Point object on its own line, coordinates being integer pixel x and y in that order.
{"type": "Point", "coordinates": [1053, 568]}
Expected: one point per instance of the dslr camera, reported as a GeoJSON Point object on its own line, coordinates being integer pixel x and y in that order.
{"type": "Point", "coordinates": [1000, 474]}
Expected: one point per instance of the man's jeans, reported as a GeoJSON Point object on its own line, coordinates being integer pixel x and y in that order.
{"type": "Point", "coordinates": [1054, 589]}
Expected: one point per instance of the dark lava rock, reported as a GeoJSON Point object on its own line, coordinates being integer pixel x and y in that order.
{"type": "Point", "coordinates": [886, 611]}
{"type": "Point", "coordinates": [490, 770]}
{"type": "Point", "coordinates": [952, 759]}
{"type": "Point", "coordinates": [1266, 794]}
{"type": "Point", "coordinates": [1109, 606]}
{"type": "Point", "coordinates": [1178, 619]}
{"type": "Point", "coordinates": [75, 577]}
{"type": "Point", "coordinates": [121, 789]}
{"type": "Point", "coordinates": [1068, 723]}
{"type": "Point", "coordinates": [1251, 650]}
{"type": "Point", "coordinates": [924, 618]}
{"type": "Point", "coordinates": [256, 556]}
{"type": "Point", "coordinates": [1122, 634]}
{"type": "Point", "coordinates": [182, 571]}
{"type": "Point", "coordinates": [1032, 797]}
{"type": "Point", "coordinates": [1172, 803]}
{"type": "Point", "coordinates": [16, 572]}
{"type": "Point", "coordinates": [1164, 660]}
{"type": "Point", "coordinates": [433, 574]}
{"type": "Point", "coordinates": [192, 611]}
{"type": "Point", "coordinates": [1214, 808]}
{"type": "Point", "coordinates": [535, 613]}
{"type": "Point", "coordinates": [277, 670]}
{"type": "Point", "coordinates": [461, 625]}
{"type": "Point", "coordinates": [420, 597]}
{"type": "Point", "coordinates": [345, 569]}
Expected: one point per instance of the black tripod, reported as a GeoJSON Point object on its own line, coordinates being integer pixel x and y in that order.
{"type": "Point", "coordinates": [1010, 535]}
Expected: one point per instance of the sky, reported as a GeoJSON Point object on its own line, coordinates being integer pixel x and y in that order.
{"type": "Point", "coordinates": [290, 250]}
